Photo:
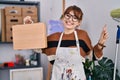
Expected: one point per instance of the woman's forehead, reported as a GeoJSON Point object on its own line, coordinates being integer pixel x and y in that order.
{"type": "Point", "coordinates": [71, 12]}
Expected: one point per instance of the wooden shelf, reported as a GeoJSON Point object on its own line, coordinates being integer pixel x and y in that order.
{"type": "Point", "coordinates": [22, 3]}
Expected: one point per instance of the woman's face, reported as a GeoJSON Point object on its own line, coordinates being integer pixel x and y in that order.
{"type": "Point", "coordinates": [70, 21]}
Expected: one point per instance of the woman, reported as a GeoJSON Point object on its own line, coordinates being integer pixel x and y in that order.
{"type": "Point", "coordinates": [67, 51]}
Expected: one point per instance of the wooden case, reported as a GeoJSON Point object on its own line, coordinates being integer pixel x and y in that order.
{"type": "Point", "coordinates": [29, 36]}
{"type": "Point", "coordinates": [9, 37]}
{"type": "Point", "coordinates": [3, 24]}
{"type": "Point", "coordinates": [14, 20]}
{"type": "Point", "coordinates": [13, 11]}
{"type": "Point", "coordinates": [29, 11]}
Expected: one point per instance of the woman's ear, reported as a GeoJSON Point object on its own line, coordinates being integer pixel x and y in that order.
{"type": "Point", "coordinates": [79, 23]}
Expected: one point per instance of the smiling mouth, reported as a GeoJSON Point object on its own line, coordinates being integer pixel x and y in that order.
{"type": "Point", "coordinates": [69, 23]}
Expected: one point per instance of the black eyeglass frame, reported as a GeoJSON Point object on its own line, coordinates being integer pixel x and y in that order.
{"type": "Point", "coordinates": [74, 18]}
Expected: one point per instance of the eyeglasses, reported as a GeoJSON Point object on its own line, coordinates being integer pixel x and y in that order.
{"type": "Point", "coordinates": [68, 16]}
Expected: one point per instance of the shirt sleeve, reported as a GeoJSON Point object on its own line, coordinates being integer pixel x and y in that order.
{"type": "Point", "coordinates": [94, 51]}
{"type": "Point", "coordinates": [98, 52]}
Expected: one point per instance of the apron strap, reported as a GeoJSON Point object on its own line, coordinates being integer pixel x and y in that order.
{"type": "Point", "coordinates": [77, 41]}
{"type": "Point", "coordinates": [76, 38]}
{"type": "Point", "coordinates": [60, 40]}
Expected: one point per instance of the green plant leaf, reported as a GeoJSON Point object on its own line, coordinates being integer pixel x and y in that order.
{"type": "Point", "coordinates": [103, 70]}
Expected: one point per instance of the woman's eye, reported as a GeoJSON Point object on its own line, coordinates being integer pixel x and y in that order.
{"type": "Point", "coordinates": [68, 15]}
{"type": "Point", "coordinates": [74, 17]}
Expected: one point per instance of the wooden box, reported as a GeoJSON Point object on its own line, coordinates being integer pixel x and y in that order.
{"type": "Point", "coordinates": [9, 28]}
{"type": "Point", "coordinates": [13, 11]}
{"type": "Point", "coordinates": [3, 24]}
{"type": "Point", "coordinates": [14, 20]}
{"type": "Point", "coordinates": [8, 33]}
{"type": "Point", "coordinates": [29, 36]}
{"type": "Point", "coordinates": [29, 11]}
{"type": "Point", "coordinates": [9, 37]}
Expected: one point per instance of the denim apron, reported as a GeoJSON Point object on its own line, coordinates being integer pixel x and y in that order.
{"type": "Point", "coordinates": [68, 63]}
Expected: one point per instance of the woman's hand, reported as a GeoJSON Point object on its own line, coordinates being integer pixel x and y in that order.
{"type": "Point", "coordinates": [103, 37]}
{"type": "Point", "coordinates": [27, 20]}
{"type": "Point", "coordinates": [37, 50]}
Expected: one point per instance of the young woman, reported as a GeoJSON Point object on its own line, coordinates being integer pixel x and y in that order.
{"type": "Point", "coordinates": [67, 51]}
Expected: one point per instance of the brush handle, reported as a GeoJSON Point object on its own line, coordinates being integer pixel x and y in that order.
{"type": "Point", "coordinates": [118, 35]}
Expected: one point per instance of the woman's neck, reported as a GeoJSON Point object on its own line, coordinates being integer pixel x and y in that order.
{"type": "Point", "coordinates": [69, 31]}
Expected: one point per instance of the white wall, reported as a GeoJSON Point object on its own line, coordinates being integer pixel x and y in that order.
{"type": "Point", "coordinates": [49, 9]}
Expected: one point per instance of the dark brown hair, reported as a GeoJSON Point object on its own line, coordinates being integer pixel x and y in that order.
{"type": "Point", "coordinates": [77, 12]}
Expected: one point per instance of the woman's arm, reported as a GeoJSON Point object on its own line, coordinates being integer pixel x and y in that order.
{"type": "Point", "coordinates": [97, 50]}
{"type": "Point", "coordinates": [103, 38]}
{"type": "Point", "coordinates": [100, 45]}
{"type": "Point", "coordinates": [48, 77]}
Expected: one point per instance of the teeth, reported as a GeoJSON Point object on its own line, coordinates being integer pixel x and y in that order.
{"type": "Point", "coordinates": [69, 23]}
